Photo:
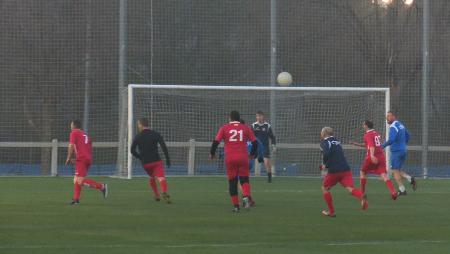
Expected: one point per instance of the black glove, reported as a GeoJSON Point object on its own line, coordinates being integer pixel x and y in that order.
{"type": "Point", "coordinates": [260, 159]}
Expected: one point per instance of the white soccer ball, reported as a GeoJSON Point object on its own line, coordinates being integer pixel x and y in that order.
{"type": "Point", "coordinates": [284, 79]}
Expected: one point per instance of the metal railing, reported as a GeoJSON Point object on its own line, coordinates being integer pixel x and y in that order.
{"type": "Point", "coordinates": [191, 145]}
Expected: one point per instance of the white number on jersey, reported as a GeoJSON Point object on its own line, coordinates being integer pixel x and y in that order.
{"type": "Point", "coordinates": [377, 141]}
{"type": "Point", "coordinates": [234, 133]}
{"type": "Point", "coordinates": [86, 139]}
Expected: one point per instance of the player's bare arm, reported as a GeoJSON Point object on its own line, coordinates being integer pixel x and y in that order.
{"type": "Point", "coordinates": [373, 158]}
{"type": "Point", "coordinates": [357, 144]}
{"type": "Point", "coordinates": [70, 154]}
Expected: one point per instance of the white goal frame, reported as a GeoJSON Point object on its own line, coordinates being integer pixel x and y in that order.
{"type": "Point", "coordinates": [131, 88]}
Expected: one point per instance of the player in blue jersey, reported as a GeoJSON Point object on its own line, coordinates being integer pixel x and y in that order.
{"type": "Point", "coordinates": [398, 141]}
{"type": "Point", "coordinates": [264, 133]}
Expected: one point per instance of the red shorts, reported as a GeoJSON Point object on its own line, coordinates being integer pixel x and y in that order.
{"type": "Point", "coordinates": [82, 167]}
{"type": "Point", "coordinates": [344, 178]}
{"type": "Point", "coordinates": [375, 169]}
{"type": "Point", "coordinates": [155, 169]}
{"type": "Point", "coordinates": [237, 166]}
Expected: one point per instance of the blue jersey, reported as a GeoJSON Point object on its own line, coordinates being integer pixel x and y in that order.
{"type": "Point", "coordinates": [259, 151]}
{"type": "Point", "coordinates": [333, 155]}
{"type": "Point", "coordinates": [398, 137]}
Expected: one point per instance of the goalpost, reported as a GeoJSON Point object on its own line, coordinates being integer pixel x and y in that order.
{"type": "Point", "coordinates": [188, 118]}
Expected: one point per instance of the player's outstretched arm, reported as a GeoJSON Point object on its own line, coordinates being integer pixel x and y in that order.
{"type": "Point", "coordinates": [165, 150]}
{"type": "Point", "coordinates": [357, 144]}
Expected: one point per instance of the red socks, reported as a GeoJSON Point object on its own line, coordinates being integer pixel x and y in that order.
{"type": "Point", "coordinates": [88, 183]}
{"type": "Point", "coordinates": [390, 186]}
{"type": "Point", "coordinates": [246, 190]}
{"type": "Point", "coordinates": [92, 184]}
{"type": "Point", "coordinates": [152, 183]}
{"type": "Point", "coordinates": [329, 200]}
{"type": "Point", "coordinates": [235, 200]}
{"type": "Point", "coordinates": [362, 184]}
{"type": "Point", "coordinates": [357, 193]}
{"type": "Point", "coordinates": [163, 184]}
{"type": "Point", "coordinates": [76, 191]}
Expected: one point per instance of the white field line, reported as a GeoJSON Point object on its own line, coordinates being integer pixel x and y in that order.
{"type": "Point", "coordinates": [212, 245]}
{"type": "Point", "coordinates": [104, 246]}
{"type": "Point", "coordinates": [384, 242]}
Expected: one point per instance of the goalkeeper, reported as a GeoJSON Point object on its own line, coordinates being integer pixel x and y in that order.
{"type": "Point", "coordinates": [264, 133]}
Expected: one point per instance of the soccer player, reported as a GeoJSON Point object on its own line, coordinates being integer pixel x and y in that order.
{"type": "Point", "coordinates": [80, 154]}
{"type": "Point", "coordinates": [263, 132]}
{"type": "Point", "coordinates": [235, 135]}
{"type": "Point", "coordinates": [375, 162]}
{"type": "Point", "coordinates": [147, 143]}
{"type": "Point", "coordinates": [338, 171]}
{"type": "Point", "coordinates": [398, 140]}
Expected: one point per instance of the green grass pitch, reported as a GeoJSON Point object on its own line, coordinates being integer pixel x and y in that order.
{"type": "Point", "coordinates": [35, 218]}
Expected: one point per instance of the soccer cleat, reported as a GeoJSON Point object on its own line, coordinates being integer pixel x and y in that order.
{"type": "Point", "coordinates": [394, 196]}
{"type": "Point", "coordinates": [328, 214]}
{"type": "Point", "coordinates": [75, 202]}
{"type": "Point", "coordinates": [413, 183]}
{"type": "Point", "coordinates": [364, 202]}
{"type": "Point", "coordinates": [401, 193]}
{"type": "Point", "coordinates": [246, 203]}
{"type": "Point", "coordinates": [251, 201]}
{"type": "Point", "coordinates": [166, 198]}
{"type": "Point", "coordinates": [157, 199]}
{"type": "Point", "coordinates": [236, 209]}
{"type": "Point", "coordinates": [105, 190]}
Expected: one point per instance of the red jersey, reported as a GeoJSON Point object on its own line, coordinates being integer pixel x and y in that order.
{"type": "Point", "coordinates": [373, 139]}
{"type": "Point", "coordinates": [235, 136]}
{"type": "Point", "coordinates": [82, 143]}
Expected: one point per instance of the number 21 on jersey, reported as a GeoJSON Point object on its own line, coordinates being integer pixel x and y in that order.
{"type": "Point", "coordinates": [234, 134]}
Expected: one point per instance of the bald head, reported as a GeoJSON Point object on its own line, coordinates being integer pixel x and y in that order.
{"type": "Point", "coordinates": [326, 132]}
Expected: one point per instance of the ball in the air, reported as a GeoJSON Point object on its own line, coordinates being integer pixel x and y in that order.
{"type": "Point", "coordinates": [284, 79]}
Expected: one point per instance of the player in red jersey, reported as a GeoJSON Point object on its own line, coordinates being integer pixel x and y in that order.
{"type": "Point", "coordinates": [235, 136]}
{"type": "Point", "coordinates": [80, 154]}
{"type": "Point", "coordinates": [375, 161]}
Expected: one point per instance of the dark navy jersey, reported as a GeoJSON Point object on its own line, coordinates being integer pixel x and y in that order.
{"type": "Point", "coordinates": [333, 155]}
{"type": "Point", "coordinates": [264, 133]}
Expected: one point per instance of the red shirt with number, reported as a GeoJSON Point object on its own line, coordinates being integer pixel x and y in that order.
{"type": "Point", "coordinates": [373, 139]}
{"type": "Point", "coordinates": [82, 143]}
{"type": "Point", "coordinates": [235, 136]}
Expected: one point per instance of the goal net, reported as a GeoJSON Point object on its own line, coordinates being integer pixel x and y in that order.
{"type": "Point", "coordinates": [188, 118]}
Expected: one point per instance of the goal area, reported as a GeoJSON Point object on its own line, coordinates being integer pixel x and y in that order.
{"type": "Point", "coordinates": [188, 117]}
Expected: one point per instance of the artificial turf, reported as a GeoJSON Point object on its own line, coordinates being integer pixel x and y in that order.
{"type": "Point", "coordinates": [35, 218]}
